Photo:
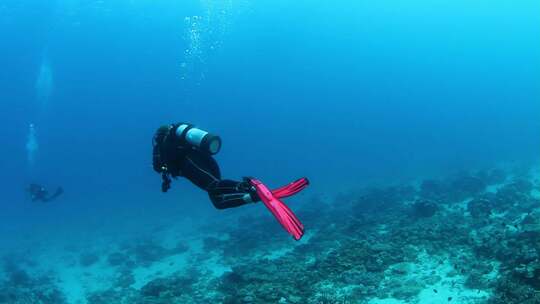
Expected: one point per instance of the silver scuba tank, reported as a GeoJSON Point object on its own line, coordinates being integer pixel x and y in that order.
{"type": "Point", "coordinates": [200, 139]}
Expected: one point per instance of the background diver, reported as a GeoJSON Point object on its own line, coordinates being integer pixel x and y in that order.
{"type": "Point", "coordinates": [40, 193]}
{"type": "Point", "coordinates": [181, 149]}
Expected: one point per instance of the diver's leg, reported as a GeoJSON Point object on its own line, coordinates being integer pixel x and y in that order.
{"type": "Point", "coordinates": [56, 194]}
{"type": "Point", "coordinates": [223, 193]}
{"type": "Point", "coordinates": [229, 194]}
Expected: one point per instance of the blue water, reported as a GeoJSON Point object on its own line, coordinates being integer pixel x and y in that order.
{"type": "Point", "coordinates": [344, 92]}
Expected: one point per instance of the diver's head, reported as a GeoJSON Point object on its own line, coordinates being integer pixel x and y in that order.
{"type": "Point", "coordinates": [160, 135]}
{"type": "Point", "coordinates": [157, 144]}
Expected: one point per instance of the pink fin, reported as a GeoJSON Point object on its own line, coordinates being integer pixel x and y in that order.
{"type": "Point", "coordinates": [281, 212]}
{"type": "Point", "coordinates": [292, 188]}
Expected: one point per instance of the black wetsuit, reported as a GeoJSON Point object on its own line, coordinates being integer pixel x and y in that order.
{"type": "Point", "coordinates": [39, 193]}
{"type": "Point", "coordinates": [177, 158]}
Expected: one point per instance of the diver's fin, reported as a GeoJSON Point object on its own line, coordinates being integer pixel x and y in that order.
{"type": "Point", "coordinates": [56, 194]}
{"type": "Point", "coordinates": [292, 188]}
{"type": "Point", "coordinates": [281, 212]}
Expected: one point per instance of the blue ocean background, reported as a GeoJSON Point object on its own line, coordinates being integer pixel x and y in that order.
{"type": "Point", "coordinates": [348, 93]}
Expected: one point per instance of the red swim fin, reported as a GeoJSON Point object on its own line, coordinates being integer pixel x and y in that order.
{"type": "Point", "coordinates": [281, 212]}
{"type": "Point", "coordinates": [291, 189]}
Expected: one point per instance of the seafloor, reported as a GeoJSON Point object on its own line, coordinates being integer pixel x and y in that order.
{"type": "Point", "coordinates": [472, 237]}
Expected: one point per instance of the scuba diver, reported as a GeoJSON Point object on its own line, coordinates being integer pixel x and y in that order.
{"type": "Point", "coordinates": [181, 149]}
{"type": "Point", "coordinates": [39, 193]}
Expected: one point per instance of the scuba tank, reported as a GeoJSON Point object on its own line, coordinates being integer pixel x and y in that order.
{"type": "Point", "coordinates": [198, 139]}
{"type": "Point", "coordinates": [166, 141]}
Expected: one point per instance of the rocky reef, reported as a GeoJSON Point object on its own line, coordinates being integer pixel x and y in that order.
{"type": "Point", "coordinates": [20, 287]}
{"type": "Point", "coordinates": [473, 237]}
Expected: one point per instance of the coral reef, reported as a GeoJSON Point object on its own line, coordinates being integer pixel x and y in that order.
{"type": "Point", "coordinates": [424, 208]}
{"type": "Point", "coordinates": [21, 288]}
{"type": "Point", "coordinates": [88, 259]}
{"type": "Point", "coordinates": [467, 238]}
{"type": "Point", "coordinates": [480, 208]}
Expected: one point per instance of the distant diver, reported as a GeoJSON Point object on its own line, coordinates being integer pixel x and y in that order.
{"type": "Point", "coordinates": [181, 149]}
{"type": "Point", "coordinates": [40, 193]}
